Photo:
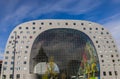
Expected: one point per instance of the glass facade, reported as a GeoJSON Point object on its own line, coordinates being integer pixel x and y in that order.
{"type": "Point", "coordinates": [64, 54]}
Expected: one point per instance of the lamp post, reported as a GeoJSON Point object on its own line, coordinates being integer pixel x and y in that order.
{"type": "Point", "coordinates": [14, 52]}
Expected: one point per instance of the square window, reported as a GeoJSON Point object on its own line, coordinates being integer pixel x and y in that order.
{"type": "Point", "coordinates": [111, 55]}
{"type": "Point", "coordinates": [117, 55]}
{"type": "Point", "coordinates": [74, 23]}
{"type": "Point", "coordinates": [34, 32]}
{"type": "Point", "coordinates": [42, 23]}
{"type": "Point", "coordinates": [84, 28]}
{"type": "Point", "coordinates": [102, 28]}
{"type": "Point", "coordinates": [107, 32]}
{"type": "Point", "coordinates": [27, 46]}
{"type": "Point", "coordinates": [20, 27]}
{"type": "Point", "coordinates": [24, 37]}
{"type": "Point", "coordinates": [26, 27]}
{"type": "Point", "coordinates": [11, 76]}
{"type": "Point", "coordinates": [11, 68]}
{"type": "Point", "coordinates": [28, 32]}
{"type": "Point", "coordinates": [113, 61]}
{"type": "Point", "coordinates": [4, 76]}
{"type": "Point", "coordinates": [98, 46]}
{"type": "Point", "coordinates": [4, 68]}
{"type": "Point", "coordinates": [6, 57]}
{"type": "Point", "coordinates": [30, 37]}
{"type": "Point", "coordinates": [110, 73]}
{"type": "Point", "coordinates": [102, 61]}
{"type": "Point", "coordinates": [21, 32]}
{"type": "Point", "coordinates": [12, 37]}
{"type": "Point", "coordinates": [101, 56]}
{"type": "Point", "coordinates": [25, 51]}
{"type": "Point", "coordinates": [66, 23]}
{"type": "Point", "coordinates": [12, 62]}
{"type": "Point", "coordinates": [39, 27]}
{"type": "Point", "coordinates": [18, 76]}
{"type": "Point", "coordinates": [33, 27]}
{"type": "Point", "coordinates": [104, 73]}
{"type": "Point", "coordinates": [25, 62]}
{"type": "Point", "coordinates": [5, 62]}
{"type": "Point", "coordinates": [33, 23]}
{"type": "Point", "coordinates": [12, 57]}
{"type": "Point", "coordinates": [18, 36]}
{"type": "Point", "coordinates": [115, 50]}
{"type": "Point", "coordinates": [9, 41]}
{"type": "Point", "coordinates": [7, 52]}
{"type": "Point", "coordinates": [101, 33]}
{"type": "Point", "coordinates": [90, 28]}
{"type": "Point", "coordinates": [82, 23]}
{"type": "Point", "coordinates": [96, 41]}
{"type": "Point", "coordinates": [116, 73]}
{"type": "Point", "coordinates": [50, 23]}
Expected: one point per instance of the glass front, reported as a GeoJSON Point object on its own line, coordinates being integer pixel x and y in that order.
{"type": "Point", "coordinates": [64, 54]}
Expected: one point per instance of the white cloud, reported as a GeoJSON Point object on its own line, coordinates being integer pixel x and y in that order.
{"type": "Point", "coordinates": [15, 18]}
{"type": "Point", "coordinates": [22, 10]}
{"type": "Point", "coordinates": [69, 6]}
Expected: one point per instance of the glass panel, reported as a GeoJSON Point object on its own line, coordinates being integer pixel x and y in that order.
{"type": "Point", "coordinates": [64, 54]}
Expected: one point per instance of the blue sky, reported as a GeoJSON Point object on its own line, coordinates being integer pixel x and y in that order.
{"type": "Point", "coordinates": [15, 12]}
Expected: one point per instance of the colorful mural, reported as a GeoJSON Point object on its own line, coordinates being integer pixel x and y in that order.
{"type": "Point", "coordinates": [66, 54]}
{"type": "Point", "coordinates": [89, 67]}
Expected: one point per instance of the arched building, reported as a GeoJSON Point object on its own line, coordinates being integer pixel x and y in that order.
{"type": "Point", "coordinates": [77, 50]}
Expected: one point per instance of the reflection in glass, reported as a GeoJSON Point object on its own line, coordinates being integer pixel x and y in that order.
{"type": "Point", "coordinates": [64, 54]}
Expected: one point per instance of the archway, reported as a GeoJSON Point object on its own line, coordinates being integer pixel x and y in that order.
{"type": "Point", "coordinates": [72, 52]}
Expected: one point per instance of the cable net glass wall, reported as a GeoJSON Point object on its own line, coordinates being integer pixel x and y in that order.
{"type": "Point", "coordinates": [64, 54]}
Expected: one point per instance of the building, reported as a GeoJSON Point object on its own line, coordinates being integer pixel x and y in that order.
{"type": "Point", "coordinates": [0, 66]}
{"type": "Point", "coordinates": [67, 49]}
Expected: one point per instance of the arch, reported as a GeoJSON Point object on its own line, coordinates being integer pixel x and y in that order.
{"type": "Point", "coordinates": [68, 47]}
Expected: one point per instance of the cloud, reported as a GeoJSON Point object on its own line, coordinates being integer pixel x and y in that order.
{"type": "Point", "coordinates": [68, 6]}
{"type": "Point", "coordinates": [17, 12]}
{"type": "Point", "coordinates": [113, 25]}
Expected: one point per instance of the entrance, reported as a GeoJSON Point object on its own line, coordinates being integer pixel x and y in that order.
{"type": "Point", "coordinates": [64, 54]}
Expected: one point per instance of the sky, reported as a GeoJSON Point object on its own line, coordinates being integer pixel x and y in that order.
{"type": "Point", "coordinates": [15, 12]}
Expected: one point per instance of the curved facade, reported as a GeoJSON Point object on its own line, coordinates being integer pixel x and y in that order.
{"type": "Point", "coordinates": [78, 49]}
